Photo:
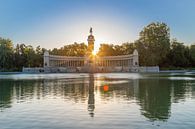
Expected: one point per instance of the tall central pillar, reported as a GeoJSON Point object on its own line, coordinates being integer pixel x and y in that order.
{"type": "Point", "coordinates": [91, 41]}
{"type": "Point", "coordinates": [89, 62]}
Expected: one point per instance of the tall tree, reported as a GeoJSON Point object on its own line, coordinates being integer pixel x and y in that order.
{"type": "Point", "coordinates": [154, 40]}
{"type": "Point", "coordinates": [6, 53]}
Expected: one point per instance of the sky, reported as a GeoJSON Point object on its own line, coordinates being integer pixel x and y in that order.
{"type": "Point", "coordinates": [55, 23]}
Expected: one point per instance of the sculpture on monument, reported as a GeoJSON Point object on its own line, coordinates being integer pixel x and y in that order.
{"type": "Point", "coordinates": [91, 31]}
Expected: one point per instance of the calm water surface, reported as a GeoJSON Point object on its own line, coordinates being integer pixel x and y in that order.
{"type": "Point", "coordinates": [97, 101]}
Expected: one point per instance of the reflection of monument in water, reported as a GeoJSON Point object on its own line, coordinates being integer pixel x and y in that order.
{"type": "Point", "coordinates": [91, 97]}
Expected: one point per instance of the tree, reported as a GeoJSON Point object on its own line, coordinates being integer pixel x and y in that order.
{"type": "Point", "coordinates": [128, 48]}
{"type": "Point", "coordinates": [154, 41]}
{"type": "Point", "coordinates": [6, 53]}
{"type": "Point", "coordinates": [192, 54]}
{"type": "Point", "coordinates": [179, 55]}
{"type": "Point", "coordinates": [75, 49]}
{"type": "Point", "coordinates": [106, 50]}
{"type": "Point", "coordinates": [143, 53]}
{"type": "Point", "coordinates": [39, 56]}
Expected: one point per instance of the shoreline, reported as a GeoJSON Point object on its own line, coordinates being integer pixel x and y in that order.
{"type": "Point", "coordinates": [161, 71]}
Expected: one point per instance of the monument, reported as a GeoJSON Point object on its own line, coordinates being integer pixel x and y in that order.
{"type": "Point", "coordinates": [89, 62]}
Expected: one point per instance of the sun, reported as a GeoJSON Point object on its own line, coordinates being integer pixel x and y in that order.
{"type": "Point", "coordinates": [94, 53]}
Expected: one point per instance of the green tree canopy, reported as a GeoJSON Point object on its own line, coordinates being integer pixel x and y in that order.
{"type": "Point", "coordinates": [154, 43]}
{"type": "Point", "coordinates": [179, 55]}
{"type": "Point", "coordinates": [106, 50]}
{"type": "Point", "coordinates": [192, 54]}
{"type": "Point", "coordinates": [75, 49]}
{"type": "Point", "coordinates": [115, 50]}
{"type": "Point", "coordinates": [6, 53]}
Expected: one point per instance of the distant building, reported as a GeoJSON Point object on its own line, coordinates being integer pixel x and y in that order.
{"type": "Point", "coordinates": [90, 62]}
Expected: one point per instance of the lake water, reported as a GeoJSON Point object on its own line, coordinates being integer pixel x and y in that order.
{"type": "Point", "coordinates": [97, 101]}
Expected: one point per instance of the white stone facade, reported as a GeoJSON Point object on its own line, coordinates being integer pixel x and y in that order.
{"type": "Point", "coordinates": [123, 63]}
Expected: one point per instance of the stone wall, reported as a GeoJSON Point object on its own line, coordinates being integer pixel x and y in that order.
{"type": "Point", "coordinates": [149, 69]}
{"type": "Point", "coordinates": [33, 70]}
{"type": "Point", "coordinates": [87, 69]}
{"type": "Point", "coordinates": [45, 70]}
{"type": "Point", "coordinates": [79, 69]}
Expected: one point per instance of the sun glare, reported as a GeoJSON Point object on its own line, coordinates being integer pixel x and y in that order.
{"type": "Point", "coordinates": [94, 53]}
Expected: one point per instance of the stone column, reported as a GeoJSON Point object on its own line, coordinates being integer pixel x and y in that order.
{"type": "Point", "coordinates": [135, 58]}
{"type": "Point", "coordinates": [135, 61]}
{"type": "Point", "coordinates": [46, 59]}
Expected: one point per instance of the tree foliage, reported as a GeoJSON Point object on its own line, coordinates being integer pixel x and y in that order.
{"type": "Point", "coordinates": [13, 59]}
{"type": "Point", "coordinates": [192, 54]}
{"type": "Point", "coordinates": [154, 43]}
{"type": "Point", "coordinates": [6, 53]}
{"type": "Point", "coordinates": [115, 50]}
{"type": "Point", "coordinates": [179, 55]}
{"type": "Point", "coordinates": [75, 49]}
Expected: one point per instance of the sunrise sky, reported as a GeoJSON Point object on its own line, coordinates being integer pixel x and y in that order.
{"type": "Point", "coordinates": [54, 23]}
